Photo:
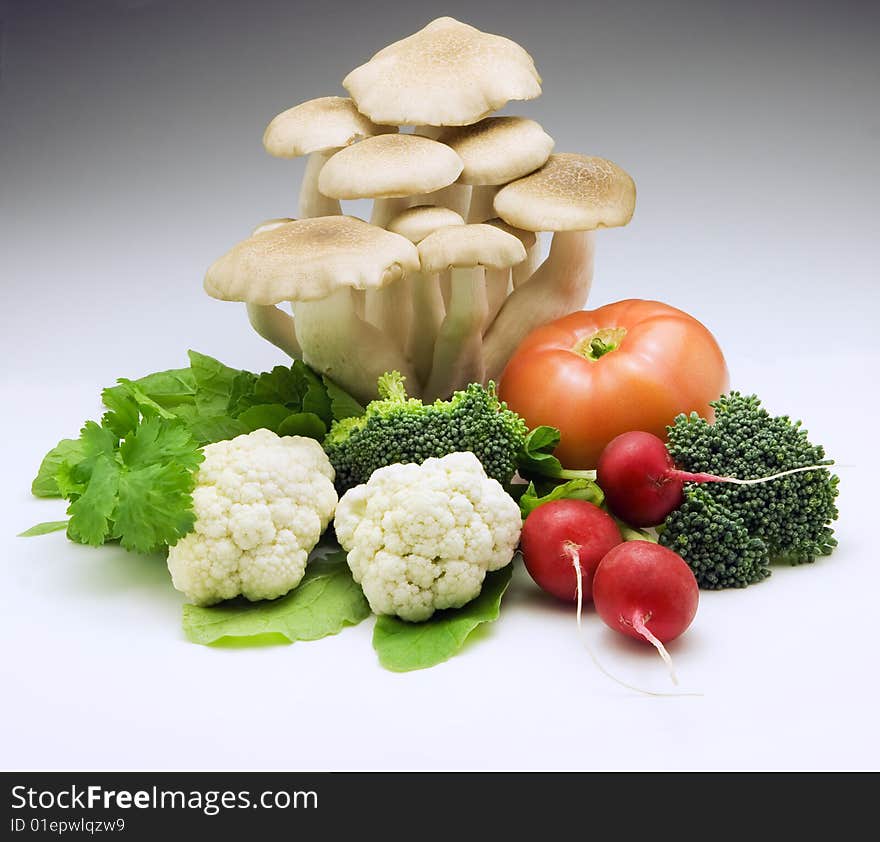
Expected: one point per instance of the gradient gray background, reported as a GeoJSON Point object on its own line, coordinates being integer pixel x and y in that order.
{"type": "Point", "coordinates": [130, 158]}
{"type": "Point", "coordinates": [131, 152]}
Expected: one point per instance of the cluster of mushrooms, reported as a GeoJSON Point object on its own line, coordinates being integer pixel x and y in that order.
{"type": "Point", "coordinates": [445, 280]}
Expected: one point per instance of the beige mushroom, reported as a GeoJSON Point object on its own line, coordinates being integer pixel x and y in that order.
{"type": "Point", "coordinates": [316, 263]}
{"type": "Point", "coordinates": [269, 321]}
{"type": "Point", "coordinates": [571, 195]}
{"type": "Point", "coordinates": [318, 128]}
{"type": "Point", "coordinates": [495, 151]}
{"type": "Point", "coordinates": [466, 250]}
{"type": "Point", "coordinates": [427, 307]}
{"type": "Point", "coordinates": [389, 169]}
{"type": "Point", "coordinates": [501, 282]}
{"type": "Point", "coordinates": [447, 74]}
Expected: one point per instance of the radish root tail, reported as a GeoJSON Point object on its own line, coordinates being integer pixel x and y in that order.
{"type": "Point", "coordinates": [687, 476]}
{"type": "Point", "coordinates": [638, 623]}
{"type": "Point", "coordinates": [572, 551]}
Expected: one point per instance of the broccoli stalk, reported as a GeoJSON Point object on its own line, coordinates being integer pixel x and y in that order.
{"type": "Point", "coordinates": [397, 428]}
{"type": "Point", "coordinates": [730, 533]}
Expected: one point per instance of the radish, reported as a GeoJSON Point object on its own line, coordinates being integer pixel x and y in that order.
{"type": "Point", "coordinates": [647, 592]}
{"type": "Point", "coordinates": [643, 486]}
{"type": "Point", "coordinates": [563, 541]}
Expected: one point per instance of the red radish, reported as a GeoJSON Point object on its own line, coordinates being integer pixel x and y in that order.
{"type": "Point", "coordinates": [647, 592]}
{"type": "Point", "coordinates": [565, 540]}
{"type": "Point", "coordinates": [641, 483]}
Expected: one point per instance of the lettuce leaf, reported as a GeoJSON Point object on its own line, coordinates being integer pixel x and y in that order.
{"type": "Point", "coordinates": [325, 602]}
{"type": "Point", "coordinates": [403, 646]}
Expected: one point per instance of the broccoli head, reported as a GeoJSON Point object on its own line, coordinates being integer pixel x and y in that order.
{"type": "Point", "coordinates": [715, 542]}
{"type": "Point", "coordinates": [396, 428]}
{"type": "Point", "coordinates": [790, 516]}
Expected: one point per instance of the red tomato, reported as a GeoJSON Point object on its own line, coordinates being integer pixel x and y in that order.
{"type": "Point", "coordinates": [631, 365]}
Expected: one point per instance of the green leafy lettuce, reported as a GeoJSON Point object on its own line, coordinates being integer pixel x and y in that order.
{"type": "Point", "coordinates": [403, 646]}
{"type": "Point", "coordinates": [324, 603]}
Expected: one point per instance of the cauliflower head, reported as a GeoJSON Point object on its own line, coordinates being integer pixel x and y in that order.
{"type": "Point", "coordinates": [422, 537]}
{"type": "Point", "coordinates": [261, 503]}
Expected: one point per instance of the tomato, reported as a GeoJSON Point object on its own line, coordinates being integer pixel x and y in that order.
{"type": "Point", "coordinates": [631, 365]}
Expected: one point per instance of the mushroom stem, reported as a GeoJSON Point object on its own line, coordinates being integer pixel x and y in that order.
{"type": "Point", "coordinates": [384, 210]}
{"type": "Point", "coordinates": [275, 326]}
{"type": "Point", "coordinates": [558, 287]}
{"type": "Point", "coordinates": [456, 197]}
{"type": "Point", "coordinates": [336, 342]}
{"type": "Point", "coordinates": [312, 202]}
{"type": "Point", "coordinates": [523, 271]}
{"type": "Point", "coordinates": [432, 132]}
{"type": "Point", "coordinates": [390, 310]}
{"type": "Point", "coordinates": [427, 316]}
{"type": "Point", "coordinates": [497, 289]}
{"type": "Point", "coordinates": [481, 207]}
{"type": "Point", "coordinates": [458, 352]}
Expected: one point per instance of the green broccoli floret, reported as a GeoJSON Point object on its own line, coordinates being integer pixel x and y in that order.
{"type": "Point", "coordinates": [790, 516]}
{"type": "Point", "coordinates": [715, 542]}
{"type": "Point", "coordinates": [396, 428]}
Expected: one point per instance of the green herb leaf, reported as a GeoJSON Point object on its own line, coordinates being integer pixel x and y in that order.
{"type": "Point", "coordinates": [45, 484]}
{"type": "Point", "coordinates": [214, 383]}
{"type": "Point", "coordinates": [342, 404]}
{"type": "Point", "coordinates": [156, 442]}
{"type": "Point", "coordinates": [536, 455]}
{"type": "Point", "coordinates": [90, 513]}
{"type": "Point", "coordinates": [315, 399]}
{"type": "Point", "coordinates": [403, 646]}
{"type": "Point", "coordinates": [303, 424]}
{"type": "Point", "coordinates": [44, 528]}
{"type": "Point", "coordinates": [217, 428]}
{"type": "Point", "coordinates": [575, 489]}
{"type": "Point", "coordinates": [154, 506]}
{"type": "Point", "coordinates": [324, 603]}
{"type": "Point", "coordinates": [267, 416]}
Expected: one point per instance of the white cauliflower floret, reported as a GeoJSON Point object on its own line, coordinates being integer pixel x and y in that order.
{"type": "Point", "coordinates": [422, 537]}
{"type": "Point", "coordinates": [261, 503]}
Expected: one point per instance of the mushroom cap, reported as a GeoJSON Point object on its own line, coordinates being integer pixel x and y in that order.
{"type": "Point", "coordinates": [470, 245]}
{"type": "Point", "coordinates": [498, 149]}
{"type": "Point", "coordinates": [417, 222]}
{"type": "Point", "coordinates": [569, 193]}
{"type": "Point", "coordinates": [527, 238]}
{"type": "Point", "coordinates": [308, 259]}
{"type": "Point", "coordinates": [447, 74]}
{"type": "Point", "coordinates": [271, 224]}
{"type": "Point", "coordinates": [330, 122]}
{"type": "Point", "coordinates": [389, 166]}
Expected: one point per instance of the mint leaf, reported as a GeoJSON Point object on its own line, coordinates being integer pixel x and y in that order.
{"type": "Point", "coordinates": [45, 484]}
{"type": "Point", "coordinates": [403, 646]}
{"type": "Point", "coordinates": [324, 603]}
{"type": "Point", "coordinates": [575, 489]}
{"type": "Point", "coordinates": [342, 404]}
{"type": "Point", "coordinates": [44, 528]}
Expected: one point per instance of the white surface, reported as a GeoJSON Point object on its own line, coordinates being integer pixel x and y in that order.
{"type": "Point", "coordinates": [96, 673]}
